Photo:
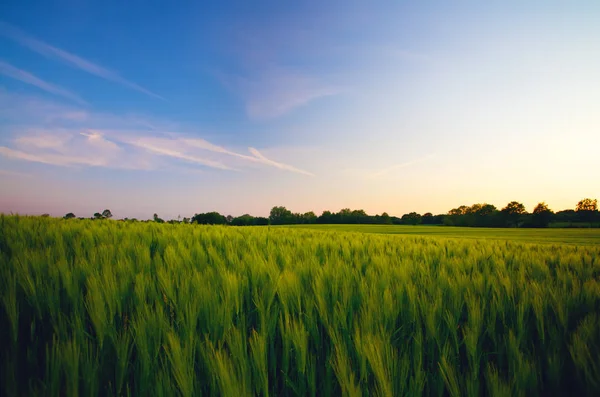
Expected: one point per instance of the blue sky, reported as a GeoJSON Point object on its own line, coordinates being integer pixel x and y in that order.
{"type": "Point", "coordinates": [240, 106]}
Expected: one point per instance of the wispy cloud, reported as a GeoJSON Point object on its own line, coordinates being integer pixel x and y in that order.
{"type": "Point", "coordinates": [64, 148]}
{"type": "Point", "coordinates": [13, 72]}
{"type": "Point", "coordinates": [160, 149]}
{"type": "Point", "coordinates": [190, 149]}
{"type": "Point", "coordinates": [275, 164]}
{"type": "Point", "coordinates": [275, 92]}
{"type": "Point", "coordinates": [47, 158]}
{"type": "Point", "coordinates": [70, 59]}
{"type": "Point", "coordinates": [388, 170]}
{"type": "Point", "coordinates": [256, 157]}
{"type": "Point", "coordinates": [49, 133]}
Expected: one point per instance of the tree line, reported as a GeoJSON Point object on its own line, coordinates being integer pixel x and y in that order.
{"type": "Point", "coordinates": [514, 214]}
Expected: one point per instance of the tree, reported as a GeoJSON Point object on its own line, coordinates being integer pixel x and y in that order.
{"type": "Point", "coordinates": [587, 204]}
{"type": "Point", "coordinates": [244, 220]}
{"type": "Point", "coordinates": [209, 218]}
{"type": "Point", "coordinates": [229, 218]}
{"type": "Point", "coordinates": [326, 217]}
{"type": "Point", "coordinates": [97, 215]}
{"type": "Point", "coordinates": [411, 218]}
{"type": "Point", "coordinates": [157, 219]}
{"type": "Point", "coordinates": [481, 215]}
{"type": "Point", "coordinates": [513, 212]}
{"type": "Point", "coordinates": [385, 219]}
{"type": "Point", "coordinates": [309, 217]}
{"type": "Point", "coordinates": [462, 210]}
{"type": "Point", "coordinates": [587, 209]}
{"type": "Point", "coordinates": [280, 216]}
{"type": "Point", "coordinates": [541, 215]}
{"type": "Point", "coordinates": [106, 214]}
{"type": "Point", "coordinates": [70, 215]}
{"type": "Point", "coordinates": [358, 216]}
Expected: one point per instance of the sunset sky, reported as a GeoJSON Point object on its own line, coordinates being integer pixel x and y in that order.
{"type": "Point", "coordinates": [148, 107]}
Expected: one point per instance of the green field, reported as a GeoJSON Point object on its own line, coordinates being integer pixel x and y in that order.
{"type": "Point", "coordinates": [117, 308]}
{"type": "Point", "coordinates": [550, 235]}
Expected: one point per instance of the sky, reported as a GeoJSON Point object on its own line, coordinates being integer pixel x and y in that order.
{"type": "Point", "coordinates": [236, 107]}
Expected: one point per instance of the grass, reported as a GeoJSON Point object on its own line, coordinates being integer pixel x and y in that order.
{"type": "Point", "coordinates": [113, 308]}
{"type": "Point", "coordinates": [580, 236]}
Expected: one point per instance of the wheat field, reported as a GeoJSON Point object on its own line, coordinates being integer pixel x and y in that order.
{"type": "Point", "coordinates": [116, 308]}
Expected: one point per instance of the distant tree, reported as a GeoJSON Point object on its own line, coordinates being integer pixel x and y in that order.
{"type": "Point", "coordinates": [487, 209]}
{"type": "Point", "coordinates": [411, 218]}
{"type": "Point", "coordinates": [462, 210]}
{"type": "Point", "coordinates": [244, 220]}
{"type": "Point", "coordinates": [106, 214]}
{"type": "Point", "coordinates": [456, 216]}
{"type": "Point", "coordinates": [261, 221]}
{"type": "Point", "coordinates": [385, 219]}
{"type": "Point", "coordinates": [280, 216]}
{"type": "Point", "coordinates": [326, 217]}
{"type": "Point", "coordinates": [513, 212]}
{"type": "Point", "coordinates": [587, 204]}
{"type": "Point", "coordinates": [209, 218]}
{"type": "Point", "coordinates": [541, 215]}
{"type": "Point", "coordinates": [358, 216]}
{"type": "Point", "coordinates": [587, 209]}
{"type": "Point", "coordinates": [229, 218]}
{"type": "Point", "coordinates": [566, 216]}
{"type": "Point", "coordinates": [186, 220]}
{"type": "Point", "coordinates": [70, 215]}
{"type": "Point", "coordinates": [45, 215]}
{"type": "Point", "coordinates": [427, 218]}
{"type": "Point", "coordinates": [97, 215]}
{"type": "Point", "coordinates": [309, 217]}
{"type": "Point", "coordinates": [483, 215]}
{"type": "Point", "coordinates": [157, 219]}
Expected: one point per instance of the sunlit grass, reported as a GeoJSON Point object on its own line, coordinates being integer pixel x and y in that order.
{"type": "Point", "coordinates": [114, 308]}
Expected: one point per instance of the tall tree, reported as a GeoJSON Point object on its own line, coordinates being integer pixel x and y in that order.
{"type": "Point", "coordinates": [106, 214]}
